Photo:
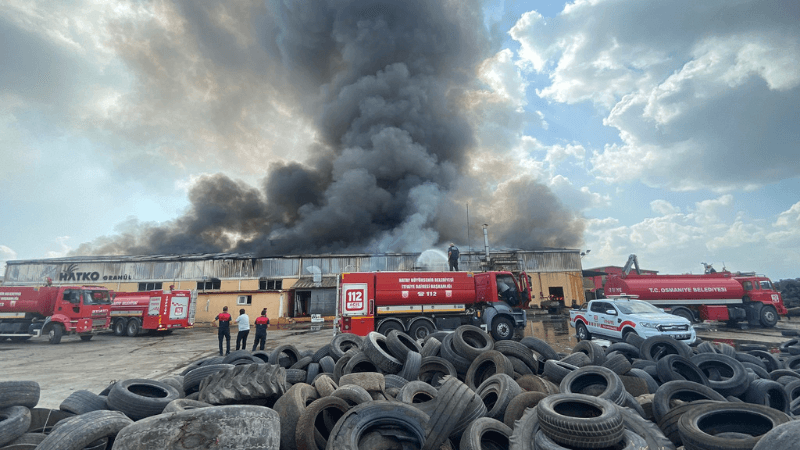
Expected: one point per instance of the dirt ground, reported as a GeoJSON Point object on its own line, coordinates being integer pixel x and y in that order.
{"type": "Point", "coordinates": [74, 365]}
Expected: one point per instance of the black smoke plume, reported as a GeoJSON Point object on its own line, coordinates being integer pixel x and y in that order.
{"type": "Point", "coordinates": [381, 80]}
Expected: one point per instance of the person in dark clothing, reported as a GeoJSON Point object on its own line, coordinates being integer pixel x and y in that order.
{"type": "Point", "coordinates": [452, 257]}
{"type": "Point", "coordinates": [224, 329]}
{"type": "Point", "coordinates": [262, 323]}
{"type": "Point", "coordinates": [244, 329]}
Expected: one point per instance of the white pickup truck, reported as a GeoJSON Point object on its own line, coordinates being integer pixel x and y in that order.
{"type": "Point", "coordinates": [614, 318]}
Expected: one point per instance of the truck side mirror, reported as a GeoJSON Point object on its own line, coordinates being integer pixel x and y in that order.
{"type": "Point", "coordinates": [611, 312]}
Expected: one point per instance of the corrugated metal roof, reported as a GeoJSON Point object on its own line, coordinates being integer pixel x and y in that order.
{"type": "Point", "coordinates": [308, 283]}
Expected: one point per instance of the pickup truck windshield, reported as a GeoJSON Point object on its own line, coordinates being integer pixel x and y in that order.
{"type": "Point", "coordinates": [637, 307]}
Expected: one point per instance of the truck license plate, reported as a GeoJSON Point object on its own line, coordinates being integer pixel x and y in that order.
{"type": "Point", "coordinates": [681, 336]}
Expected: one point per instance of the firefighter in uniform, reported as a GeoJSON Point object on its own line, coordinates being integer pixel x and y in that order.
{"type": "Point", "coordinates": [224, 329]}
{"type": "Point", "coordinates": [262, 323]}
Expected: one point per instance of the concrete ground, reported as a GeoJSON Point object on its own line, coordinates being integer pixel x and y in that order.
{"type": "Point", "coordinates": [74, 365]}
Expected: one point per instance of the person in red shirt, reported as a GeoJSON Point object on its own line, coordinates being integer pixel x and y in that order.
{"type": "Point", "coordinates": [262, 323]}
{"type": "Point", "coordinates": [224, 329]}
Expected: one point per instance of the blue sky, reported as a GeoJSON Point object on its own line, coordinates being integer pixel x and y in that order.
{"type": "Point", "coordinates": [669, 128]}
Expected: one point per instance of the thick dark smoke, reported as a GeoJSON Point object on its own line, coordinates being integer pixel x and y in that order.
{"type": "Point", "coordinates": [382, 80]}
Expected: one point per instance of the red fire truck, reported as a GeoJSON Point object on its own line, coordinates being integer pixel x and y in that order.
{"type": "Point", "coordinates": [723, 296]}
{"type": "Point", "coordinates": [420, 303]}
{"type": "Point", "coordinates": [161, 310]}
{"type": "Point", "coordinates": [53, 311]}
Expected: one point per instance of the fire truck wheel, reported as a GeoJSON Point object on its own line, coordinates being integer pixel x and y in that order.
{"type": "Point", "coordinates": [119, 327]}
{"type": "Point", "coordinates": [133, 328]}
{"type": "Point", "coordinates": [769, 316]}
{"type": "Point", "coordinates": [80, 431]}
{"type": "Point", "coordinates": [502, 328]}
{"type": "Point", "coordinates": [421, 329]}
{"type": "Point", "coordinates": [14, 420]}
{"type": "Point", "coordinates": [388, 326]}
{"type": "Point", "coordinates": [55, 333]}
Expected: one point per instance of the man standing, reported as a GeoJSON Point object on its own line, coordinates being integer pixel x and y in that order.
{"type": "Point", "coordinates": [224, 328]}
{"type": "Point", "coordinates": [452, 257]}
{"type": "Point", "coordinates": [262, 323]}
{"type": "Point", "coordinates": [243, 322]}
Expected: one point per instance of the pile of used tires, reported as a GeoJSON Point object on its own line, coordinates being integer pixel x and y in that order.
{"type": "Point", "coordinates": [457, 390]}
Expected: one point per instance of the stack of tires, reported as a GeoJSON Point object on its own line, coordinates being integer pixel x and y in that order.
{"type": "Point", "coordinates": [459, 390]}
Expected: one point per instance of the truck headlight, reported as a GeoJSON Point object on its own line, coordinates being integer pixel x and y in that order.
{"type": "Point", "coordinates": [648, 324]}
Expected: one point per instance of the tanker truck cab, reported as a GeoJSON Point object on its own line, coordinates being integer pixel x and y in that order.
{"type": "Point", "coordinates": [613, 318]}
{"type": "Point", "coordinates": [83, 311]}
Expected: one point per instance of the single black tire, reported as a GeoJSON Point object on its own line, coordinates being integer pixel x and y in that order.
{"type": "Point", "coordinates": [192, 379]}
{"type": "Point", "coordinates": [669, 421]}
{"type": "Point", "coordinates": [786, 435]}
{"type": "Point", "coordinates": [236, 355]}
{"type": "Point", "coordinates": [343, 342]}
{"type": "Point", "coordinates": [133, 327]}
{"type": "Point", "coordinates": [677, 367]}
{"type": "Point", "coordinates": [352, 394]}
{"type": "Point", "coordinates": [289, 408]}
{"type": "Point", "coordinates": [399, 344]}
{"type": "Point", "coordinates": [317, 421]}
{"type": "Point", "coordinates": [618, 363]}
{"type": "Point", "coordinates": [79, 431]}
{"type": "Point", "coordinates": [630, 441]}
{"type": "Point", "coordinates": [325, 385]}
{"type": "Point", "coordinates": [706, 347]}
{"type": "Point", "coordinates": [407, 421]}
{"type": "Point", "coordinates": [517, 406]}
{"type": "Point", "coordinates": [524, 430]}
{"type": "Point", "coordinates": [119, 327]}
{"type": "Point", "coordinates": [686, 391]}
{"type": "Point", "coordinates": [633, 338]}
{"type": "Point", "coordinates": [376, 349]}
{"type": "Point", "coordinates": [311, 372]}
{"type": "Point", "coordinates": [582, 333]}
{"type": "Point", "coordinates": [701, 426]}
{"type": "Point", "coordinates": [359, 363]}
{"type": "Point", "coordinates": [577, 381]}
{"type": "Point", "coordinates": [758, 370]}
{"type": "Point", "coordinates": [449, 353]}
{"type": "Point", "coordinates": [596, 353]}
{"type": "Point", "coordinates": [733, 377]}
{"type": "Point", "coordinates": [302, 363]}
{"type": "Point", "coordinates": [555, 370]}
{"type": "Point", "coordinates": [792, 390]}
{"type": "Point", "coordinates": [502, 328]}
{"type": "Point", "coordinates": [231, 426]}
{"type": "Point", "coordinates": [652, 384]}
{"type": "Point", "coordinates": [771, 362]}
{"type": "Point", "coordinates": [411, 366]}
{"type": "Point", "coordinates": [580, 420]}
{"type": "Point", "coordinates": [327, 364]}
{"type": "Point", "coordinates": [19, 393]}
{"type": "Point", "coordinates": [434, 368]}
{"type": "Point", "coordinates": [244, 383]}
{"type": "Point", "coordinates": [486, 365]}
{"type": "Point", "coordinates": [289, 350]}
{"type": "Point", "coordinates": [497, 392]}
{"type": "Point", "coordinates": [82, 402]}
{"type": "Point", "coordinates": [456, 407]}
{"type": "Point", "coordinates": [54, 333]}
{"type": "Point", "coordinates": [140, 398]}
{"type": "Point", "coordinates": [577, 359]}
{"type": "Point", "coordinates": [769, 393]}
{"type": "Point", "coordinates": [485, 433]}
{"type": "Point", "coordinates": [431, 347]}
{"type": "Point", "coordinates": [174, 381]}
{"type": "Point", "coordinates": [629, 351]}
{"type": "Point", "coordinates": [184, 404]}
{"type": "Point", "coordinates": [322, 352]}
{"type": "Point", "coordinates": [294, 376]}
{"type": "Point", "coordinates": [14, 421]}
{"type": "Point", "coordinates": [788, 333]}
{"type": "Point", "coordinates": [541, 347]}
{"type": "Point", "coordinates": [656, 347]}
{"type": "Point", "coordinates": [470, 341]}
{"type": "Point", "coordinates": [514, 349]}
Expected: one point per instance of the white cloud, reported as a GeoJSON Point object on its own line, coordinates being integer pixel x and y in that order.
{"type": "Point", "coordinates": [674, 242]}
{"type": "Point", "coordinates": [699, 102]}
{"type": "Point", "coordinates": [6, 254]}
{"type": "Point", "coordinates": [504, 78]}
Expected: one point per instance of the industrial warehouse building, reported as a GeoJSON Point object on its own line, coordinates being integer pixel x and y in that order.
{"type": "Point", "coordinates": [292, 288]}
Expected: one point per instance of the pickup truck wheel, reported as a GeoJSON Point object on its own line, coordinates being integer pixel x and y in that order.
{"type": "Point", "coordinates": [685, 313]}
{"type": "Point", "coordinates": [119, 327]}
{"type": "Point", "coordinates": [133, 328]}
{"type": "Point", "coordinates": [582, 332]}
{"type": "Point", "coordinates": [769, 316]}
{"type": "Point", "coordinates": [55, 333]}
{"type": "Point", "coordinates": [502, 328]}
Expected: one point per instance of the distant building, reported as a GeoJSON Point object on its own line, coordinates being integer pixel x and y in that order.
{"type": "Point", "coordinates": [290, 287]}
